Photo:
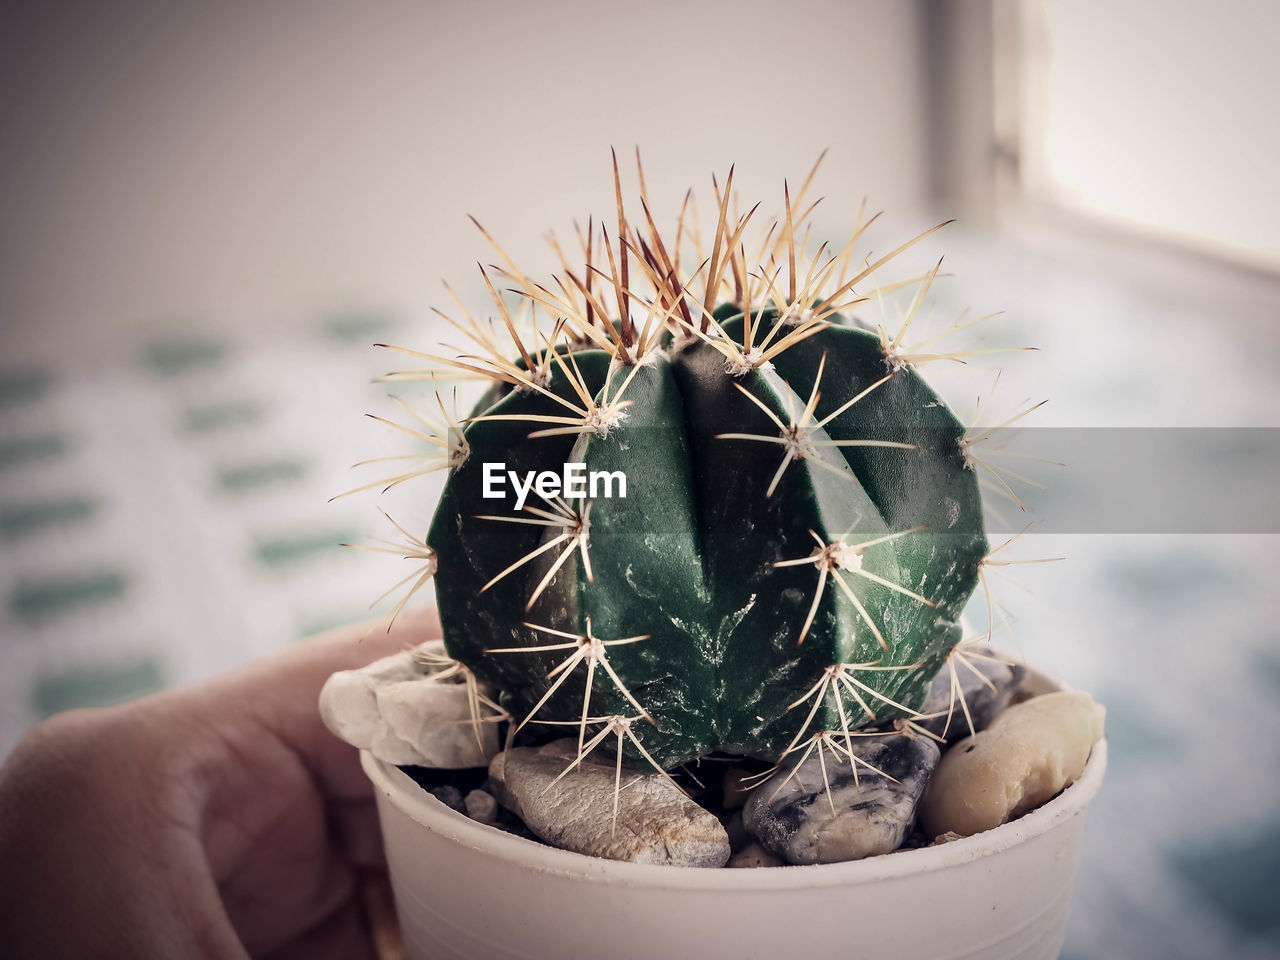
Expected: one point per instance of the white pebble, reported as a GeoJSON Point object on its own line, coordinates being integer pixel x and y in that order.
{"type": "Point", "coordinates": [396, 710]}
{"type": "Point", "coordinates": [656, 822]}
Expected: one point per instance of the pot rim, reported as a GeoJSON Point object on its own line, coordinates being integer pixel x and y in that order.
{"type": "Point", "coordinates": [423, 808]}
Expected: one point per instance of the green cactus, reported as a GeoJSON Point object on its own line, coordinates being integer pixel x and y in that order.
{"type": "Point", "coordinates": [801, 526]}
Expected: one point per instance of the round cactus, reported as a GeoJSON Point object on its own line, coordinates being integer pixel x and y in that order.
{"type": "Point", "coordinates": [800, 528]}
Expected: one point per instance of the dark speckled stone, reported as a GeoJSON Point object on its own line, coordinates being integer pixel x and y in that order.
{"type": "Point", "coordinates": [874, 815]}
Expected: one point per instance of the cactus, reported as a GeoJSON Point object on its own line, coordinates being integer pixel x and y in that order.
{"type": "Point", "coordinates": [802, 523]}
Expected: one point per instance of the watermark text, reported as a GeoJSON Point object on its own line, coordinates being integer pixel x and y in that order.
{"type": "Point", "coordinates": [574, 482]}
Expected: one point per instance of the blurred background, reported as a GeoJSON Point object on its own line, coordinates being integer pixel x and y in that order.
{"type": "Point", "coordinates": [211, 213]}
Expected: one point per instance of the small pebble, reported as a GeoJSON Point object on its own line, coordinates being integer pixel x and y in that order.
{"type": "Point", "coordinates": [656, 822]}
{"type": "Point", "coordinates": [1024, 758]}
{"type": "Point", "coordinates": [397, 711]}
{"type": "Point", "coordinates": [451, 797]}
{"type": "Point", "coordinates": [793, 817]}
{"type": "Point", "coordinates": [754, 855]}
{"type": "Point", "coordinates": [481, 806]}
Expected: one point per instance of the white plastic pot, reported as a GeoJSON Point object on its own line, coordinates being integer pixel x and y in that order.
{"type": "Point", "coordinates": [468, 891]}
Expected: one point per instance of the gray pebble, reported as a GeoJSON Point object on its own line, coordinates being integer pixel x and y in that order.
{"type": "Point", "coordinates": [656, 822]}
{"type": "Point", "coordinates": [481, 806]}
{"type": "Point", "coordinates": [450, 796]}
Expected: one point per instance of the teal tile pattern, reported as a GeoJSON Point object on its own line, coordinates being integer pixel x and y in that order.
{"type": "Point", "coordinates": [35, 448]}
{"type": "Point", "coordinates": [215, 417]}
{"type": "Point", "coordinates": [294, 548]}
{"type": "Point", "coordinates": [18, 521]}
{"type": "Point", "coordinates": [41, 600]}
{"type": "Point", "coordinates": [24, 386]}
{"type": "Point", "coordinates": [178, 356]}
{"type": "Point", "coordinates": [97, 685]}
{"type": "Point", "coordinates": [249, 477]}
{"type": "Point", "coordinates": [357, 327]}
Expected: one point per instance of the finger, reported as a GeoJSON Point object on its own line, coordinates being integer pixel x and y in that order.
{"type": "Point", "coordinates": [281, 694]}
{"type": "Point", "coordinates": [97, 862]}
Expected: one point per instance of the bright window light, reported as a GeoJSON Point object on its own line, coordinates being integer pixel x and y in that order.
{"type": "Point", "coordinates": [1157, 115]}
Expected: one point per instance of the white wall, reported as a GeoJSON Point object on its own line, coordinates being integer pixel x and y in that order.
{"type": "Point", "coordinates": [240, 161]}
{"type": "Point", "coordinates": [1158, 115]}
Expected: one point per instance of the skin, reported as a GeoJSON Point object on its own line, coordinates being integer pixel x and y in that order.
{"type": "Point", "coordinates": [217, 821]}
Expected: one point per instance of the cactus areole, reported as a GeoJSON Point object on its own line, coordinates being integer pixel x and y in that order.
{"type": "Point", "coordinates": [800, 527]}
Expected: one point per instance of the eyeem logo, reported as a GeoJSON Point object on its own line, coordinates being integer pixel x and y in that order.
{"type": "Point", "coordinates": [574, 483]}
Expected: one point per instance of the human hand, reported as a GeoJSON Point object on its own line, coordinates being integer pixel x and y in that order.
{"type": "Point", "coordinates": [219, 821]}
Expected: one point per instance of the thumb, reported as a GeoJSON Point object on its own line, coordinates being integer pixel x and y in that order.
{"type": "Point", "coordinates": [281, 694]}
